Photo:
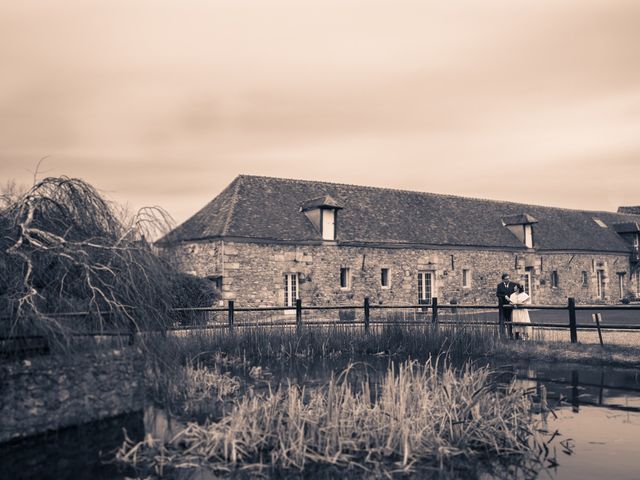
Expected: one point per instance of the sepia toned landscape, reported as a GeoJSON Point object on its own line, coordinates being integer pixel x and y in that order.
{"type": "Point", "coordinates": [361, 239]}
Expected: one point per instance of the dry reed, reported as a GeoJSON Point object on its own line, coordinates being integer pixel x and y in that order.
{"type": "Point", "coordinates": [419, 417]}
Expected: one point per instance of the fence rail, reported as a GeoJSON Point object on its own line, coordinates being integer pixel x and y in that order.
{"type": "Point", "coordinates": [431, 313]}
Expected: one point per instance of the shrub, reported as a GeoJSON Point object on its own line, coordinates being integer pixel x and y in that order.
{"type": "Point", "coordinates": [347, 314]}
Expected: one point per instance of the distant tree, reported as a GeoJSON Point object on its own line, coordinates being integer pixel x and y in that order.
{"type": "Point", "coordinates": [10, 192]}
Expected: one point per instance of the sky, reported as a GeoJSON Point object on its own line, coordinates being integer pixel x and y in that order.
{"type": "Point", "coordinates": [159, 102]}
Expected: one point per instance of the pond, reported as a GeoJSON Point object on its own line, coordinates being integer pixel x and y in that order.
{"type": "Point", "coordinates": [597, 412]}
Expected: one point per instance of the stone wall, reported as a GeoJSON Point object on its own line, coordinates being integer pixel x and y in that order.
{"type": "Point", "coordinates": [253, 273]}
{"type": "Point", "coordinates": [51, 392]}
{"type": "Point", "coordinates": [199, 258]}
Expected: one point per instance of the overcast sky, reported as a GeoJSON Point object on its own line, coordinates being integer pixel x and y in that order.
{"type": "Point", "coordinates": [164, 102]}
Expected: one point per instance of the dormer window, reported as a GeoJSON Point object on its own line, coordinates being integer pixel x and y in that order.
{"type": "Point", "coordinates": [528, 235]}
{"type": "Point", "coordinates": [522, 227]}
{"type": "Point", "coordinates": [328, 223]}
{"type": "Point", "coordinates": [630, 232]}
{"type": "Point", "coordinates": [322, 212]}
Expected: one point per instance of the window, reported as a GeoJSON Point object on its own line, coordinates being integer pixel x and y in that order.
{"type": "Point", "coordinates": [466, 278]}
{"type": "Point", "coordinates": [554, 279]}
{"type": "Point", "coordinates": [384, 278]}
{"type": "Point", "coordinates": [600, 284]}
{"type": "Point", "coordinates": [527, 281]}
{"type": "Point", "coordinates": [600, 222]}
{"type": "Point", "coordinates": [328, 224]}
{"type": "Point", "coordinates": [621, 284]}
{"type": "Point", "coordinates": [585, 279]}
{"type": "Point", "coordinates": [528, 236]}
{"type": "Point", "coordinates": [290, 289]}
{"type": "Point", "coordinates": [345, 278]}
{"type": "Point", "coordinates": [425, 287]}
{"type": "Point", "coordinates": [638, 283]}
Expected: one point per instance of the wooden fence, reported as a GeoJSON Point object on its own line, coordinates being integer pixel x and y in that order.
{"type": "Point", "coordinates": [434, 314]}
{"type": "Point", "coordinates": [434, 308]}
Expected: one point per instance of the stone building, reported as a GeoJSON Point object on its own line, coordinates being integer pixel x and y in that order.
{"type": "Point", "coordinates": [267, 241]}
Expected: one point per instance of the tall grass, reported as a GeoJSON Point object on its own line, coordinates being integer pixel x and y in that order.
{"type": "Point", "coordinates": [419, 417]}
{"type": "Point", "coordinates": [418, 341]}
{"type": "Point", "coordinates": [168, 356]}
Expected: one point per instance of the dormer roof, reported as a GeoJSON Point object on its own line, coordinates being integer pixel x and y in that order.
{"type": "Point", "coordinates": [325, 201]}
{"type": "Point", "coordinates": [626, 227]}
{"type": "Point", "coordinates": [630, 209]}
{"type": "Point", "coordinates": [519, 219]}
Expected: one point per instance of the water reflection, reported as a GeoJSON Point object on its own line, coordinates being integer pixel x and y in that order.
{"type": "Point", "coordinates": [160, 424]}
{"type": "Point", "coordinates": [597, 409]}
{"type": "Point", "coordinates": [579, 386]}
{"type": "Point", "coordinates": [72, 453]}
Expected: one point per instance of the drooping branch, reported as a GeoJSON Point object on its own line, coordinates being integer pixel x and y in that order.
{"type": "Point", "coordinates": [65, 248]}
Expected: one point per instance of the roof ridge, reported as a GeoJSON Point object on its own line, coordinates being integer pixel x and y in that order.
{"type": "Point", "coordinates": [234, 201]}
{"type": "Point", "coordinates": [445, 195]}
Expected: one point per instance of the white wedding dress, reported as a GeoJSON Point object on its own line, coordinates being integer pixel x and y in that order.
{"type": "Point", "coordinates": [520, 316]}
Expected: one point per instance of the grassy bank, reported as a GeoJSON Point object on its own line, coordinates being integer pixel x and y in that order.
{"type": "Point", "coordinates": [420, 342]}
{"type": "Point", "coordinates": [566, 352]}
{"type": "Point", "coordinates": [418, 418]}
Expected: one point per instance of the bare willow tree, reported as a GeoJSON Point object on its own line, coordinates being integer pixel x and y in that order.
{"type": "Point", "coordinates": [64, 248]}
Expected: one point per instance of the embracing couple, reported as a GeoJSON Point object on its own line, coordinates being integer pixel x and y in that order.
{"type": "Point", "coordinates": [510, 293]}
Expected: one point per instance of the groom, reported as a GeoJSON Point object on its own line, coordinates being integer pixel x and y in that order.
{"type": "Point", "coordinates": [504, 290]}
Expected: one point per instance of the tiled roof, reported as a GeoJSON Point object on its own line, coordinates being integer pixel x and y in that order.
{"type": "Point", "coordinates": [270, 208]}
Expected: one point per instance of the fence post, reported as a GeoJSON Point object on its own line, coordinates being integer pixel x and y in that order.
{"type": "Point", "coordinates": [230, 310]}
{"type": "Point", "coordinates": [366, 314]}
{"type": "Point", "coordinates": [501, 329]}
{"type": "Point", "coordinates": [575, 392]}
{"type": "Point", "coordinates": [434, 311]}
{"type": "Point", "coordinates": [596, 318]}
{"type": "Point", "coordinates": [298, 314]}
{"type": "Point", "coordinates": [132, 333]}
{"type": "Point", "coordinates": [572, 320]}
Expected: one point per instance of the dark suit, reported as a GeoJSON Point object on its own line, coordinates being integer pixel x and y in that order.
{"type": "Point", "coordinates": [505, 291]}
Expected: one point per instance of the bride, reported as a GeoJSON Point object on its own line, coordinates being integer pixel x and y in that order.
{"type": "Point", "coordinates": [520, 316]}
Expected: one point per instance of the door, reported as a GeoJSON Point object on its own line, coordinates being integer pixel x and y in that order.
{"type": "Point", "coordinates": [425, 287]}
{"type": "Point", "coordinates": [290, 290]}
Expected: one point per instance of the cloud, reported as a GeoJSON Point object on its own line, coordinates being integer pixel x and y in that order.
{"type": "Point", "coordinates": [165, 102]}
